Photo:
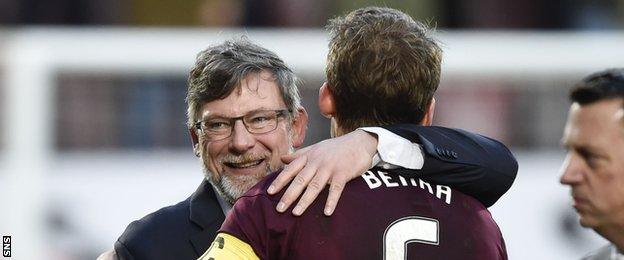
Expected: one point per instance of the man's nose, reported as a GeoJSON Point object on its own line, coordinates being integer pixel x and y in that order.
{"type": "Point", "coordinates": [572, 169]}
{"type": "Point", "coordinates": [242, 139]}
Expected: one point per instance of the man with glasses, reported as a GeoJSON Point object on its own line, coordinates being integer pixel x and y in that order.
{"type": "Point", "coordinates": [383, 68]}
{"type": "Point", "coordinates": [244, 114]}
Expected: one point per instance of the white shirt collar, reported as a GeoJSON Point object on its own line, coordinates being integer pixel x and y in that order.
{"type": "Point", "coordinates": [615, 254]}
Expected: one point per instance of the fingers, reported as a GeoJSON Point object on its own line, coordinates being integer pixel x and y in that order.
{"type": "Point", "coordinates": [288, 158]}
{"type": "Point", "coordinates": [335, 191]}
{"type": "Point", "coordinates": [310, 169]}
{"type": "Point", "coordinates": [295, 188]}
{"type": "Point", "coordinates": [312, 191]}
{"type": "Point", "coordinates": [287, 174]}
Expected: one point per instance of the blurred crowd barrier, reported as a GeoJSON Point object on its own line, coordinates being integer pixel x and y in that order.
{"type": "Point", "coordinates": [93, 135]}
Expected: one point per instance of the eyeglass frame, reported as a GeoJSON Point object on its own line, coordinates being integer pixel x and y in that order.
{"type": "Point", "coordinates": [232, 120]}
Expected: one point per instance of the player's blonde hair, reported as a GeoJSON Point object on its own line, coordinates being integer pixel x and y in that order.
{"type": "Point", "coordinates": [382, 68]}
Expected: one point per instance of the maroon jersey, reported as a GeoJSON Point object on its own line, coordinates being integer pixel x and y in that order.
{"type": "Point", "coordinates": [379, 216]}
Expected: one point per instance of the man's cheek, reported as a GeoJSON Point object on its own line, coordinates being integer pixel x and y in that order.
{"type": "Point", "coordinates": [212, 164]}
{"type": "Point", "coordinates": [276, 163]}
{"type": "Point", "coordinates": [216, 167]}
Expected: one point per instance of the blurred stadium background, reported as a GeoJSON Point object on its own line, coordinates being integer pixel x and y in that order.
{"type": "Point", "coordinates": [92, 132]}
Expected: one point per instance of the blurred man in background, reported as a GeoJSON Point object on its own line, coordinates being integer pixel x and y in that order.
{"type": "Point", "coordinates": [383, 68]}
{"type": "Point", "coordinates": [594, 165]}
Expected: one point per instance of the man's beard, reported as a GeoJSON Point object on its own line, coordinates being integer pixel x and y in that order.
{"type": "Point", "coordinates": [232, 186]}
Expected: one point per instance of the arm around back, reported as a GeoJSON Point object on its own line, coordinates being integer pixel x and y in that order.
{"type": "Point", "coordinates": [471, 163]}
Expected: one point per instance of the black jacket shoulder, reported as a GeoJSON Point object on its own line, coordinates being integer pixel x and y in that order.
{"type": "Point", "coordinates": [474, 164]}
{"type": "Point", "coordinates": [161, 229]}
{"type": "Point", "coordinates": [182, 231]}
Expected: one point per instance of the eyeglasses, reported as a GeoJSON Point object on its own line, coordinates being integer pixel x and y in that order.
{"type": "Point", "coordinates": [256, 122]}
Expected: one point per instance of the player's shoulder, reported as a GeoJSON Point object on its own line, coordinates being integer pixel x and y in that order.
{"type": "Point", "coordinates": [162, 223]}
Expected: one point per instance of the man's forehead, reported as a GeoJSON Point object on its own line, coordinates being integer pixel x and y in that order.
{"type": "Point", "coordinates": [619, 116]}
{"type": "Point", "coordinates": [600, 112]}
{"type": "Point", "coordinates": [207, 113]}
{"type": "Point", "coordinates": [588, 124]}
{"type": "Point", "coordinates": [260, 97]}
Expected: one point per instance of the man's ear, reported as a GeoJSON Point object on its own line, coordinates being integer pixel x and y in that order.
{"type": "Point", "coordinates": [326, 104]}
{"type": "Point", "coordinates": [428, 117]}
{"type": "Point", "coordinates": [299, 127]}
{"type": "Point", "coordinates": [194, 140]}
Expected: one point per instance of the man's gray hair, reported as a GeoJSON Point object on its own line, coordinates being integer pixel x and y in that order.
{"type": "Point", "coordinates": [219, 70]}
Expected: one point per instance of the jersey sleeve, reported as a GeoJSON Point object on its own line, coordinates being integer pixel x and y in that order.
{"type": "Point", "coordinates": [226, 247]}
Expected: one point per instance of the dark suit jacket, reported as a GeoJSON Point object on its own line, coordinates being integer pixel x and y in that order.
{"type": "Point", "coordinates": [476, 165]}
{"type": "Point", "coordinates": [471, 163]}
{"type": "Point", "coordinates": [181, 231]}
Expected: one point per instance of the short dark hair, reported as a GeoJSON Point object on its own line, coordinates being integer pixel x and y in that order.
{"type": "Point", "coordinates": [382, 68]}
{"type": "Point", "coordinates": [606, 84]}
{"type": "Point", "coordinates": [219, 70]}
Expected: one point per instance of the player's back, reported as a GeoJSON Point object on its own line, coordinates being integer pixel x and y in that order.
{"type": "Point", "coordinates": [379, 216]}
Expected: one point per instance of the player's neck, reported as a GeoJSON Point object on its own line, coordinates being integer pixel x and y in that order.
{"type": "Point", "coordinates": [334, 129]}
{"type": "Point", "coordinates": [615, 234]}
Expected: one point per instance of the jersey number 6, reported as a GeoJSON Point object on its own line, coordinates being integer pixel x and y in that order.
{"type": "Point", "coordinates": [412, 229]}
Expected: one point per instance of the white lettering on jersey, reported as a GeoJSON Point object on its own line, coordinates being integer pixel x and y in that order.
{"type": "Point", "coordinates": [372, 180]}
{"type": "Point", "coordinates": [403, 181]}
{"type": "Point", "coordinates": [424, 184]}
{"type": "Point", "coordinates": [444, 190]}
{"type": "Point", "coordinates": [386, 179]}
{"type": "Point", "coordinates": [390, 181]}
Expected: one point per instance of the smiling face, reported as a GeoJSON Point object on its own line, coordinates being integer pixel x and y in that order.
{"type": "Point", "coordinates": [594, 165]}
{"type": "Point", "coordinates": [234, 164]}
